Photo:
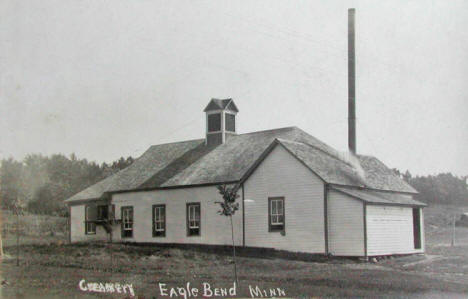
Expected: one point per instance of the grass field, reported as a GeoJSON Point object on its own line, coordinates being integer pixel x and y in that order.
{"type": "Point", "coordinates": [55, 270]}
{"type": "Point", "coordinates": [33, 229]}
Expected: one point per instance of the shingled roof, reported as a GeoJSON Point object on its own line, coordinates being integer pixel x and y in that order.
{"type": "Point", "coordinates": [191, 163]}
{"type": "Point", "coordinates": [343, 169]}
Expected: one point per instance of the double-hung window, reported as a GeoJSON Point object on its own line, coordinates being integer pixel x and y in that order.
{"type": "Point", "coordinates": [159, 220]}
{"type": "Point", "coordinates": [193, 219]}
{"type": "Point", "coordinates": [90, 225]}
{"type": "Point", "coordinates": [127, 222]}
{"type": "Point", "coordinates": [276, 214]}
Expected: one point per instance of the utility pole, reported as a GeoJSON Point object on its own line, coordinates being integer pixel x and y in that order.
{"type": "Point", "coordinates": [1, 243]}
{"type": "Point", "coordinates": [453, 230]}
{"type": "Point", "coordinates": [17, 236]}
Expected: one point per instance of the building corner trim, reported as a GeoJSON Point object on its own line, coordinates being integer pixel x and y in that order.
{"type": "Point", "coordinates": [325, 216]}
{"type": "Point", "coordinates": [364, 211]}
{"type": "Point", "coordinates": [243, 216]}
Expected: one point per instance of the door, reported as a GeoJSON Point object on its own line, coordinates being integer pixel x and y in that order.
{"type": "Point", "coordinates": [417, 228]}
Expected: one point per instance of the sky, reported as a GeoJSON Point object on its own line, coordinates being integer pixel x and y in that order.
{"type": "Point", "coordinates": [105, 79]}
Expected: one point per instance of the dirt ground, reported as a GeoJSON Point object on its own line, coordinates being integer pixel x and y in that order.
{"type": "Point", "coordinates": [54, 270]}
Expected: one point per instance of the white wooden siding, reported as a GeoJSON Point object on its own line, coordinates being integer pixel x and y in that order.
{"type": "Point", "coordinates": [390, 230]}
{"type": "Point", "coordinates": [77, 230]}
{"type": "Point", "coordinates": [345, 225]}
{"type": "Point", "coordinates": [215, 229]}
{"type": "Point", "coordinates": [282, 175]}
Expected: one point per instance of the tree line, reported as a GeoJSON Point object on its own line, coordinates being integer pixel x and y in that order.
{"type": "Point", "coordinates": [442, 188]}
{"type": "Point", "coordinates": [40, 184]}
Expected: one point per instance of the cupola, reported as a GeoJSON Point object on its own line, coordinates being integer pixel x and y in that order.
{"type": "Point", "coordinates": [220, 121]}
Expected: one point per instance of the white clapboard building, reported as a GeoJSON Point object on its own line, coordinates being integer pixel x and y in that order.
{"type": "Point", "coordinates": [296, 194]}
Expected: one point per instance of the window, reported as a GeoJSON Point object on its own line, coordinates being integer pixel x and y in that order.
{"type": "Point", "coordinates": [102, 212]}
{"type": "Point", "coordinates": [276, 214]}
{"type": "Point", "coordinates": [127, 222]}
{"type": "Point", "coordinates": [193, 219]}
{"type": "Point", "coordinates": [214, 122]}
{"type": "Point", "coordinates": [159, 220]}
{"type": "Point", "coordinates": [90, 225]}
{"type": "Point", "coordinates": [230, 122]}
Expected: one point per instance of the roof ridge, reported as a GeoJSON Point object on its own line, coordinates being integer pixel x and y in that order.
{"type": "Point", "coordinates": [270, 130]}
{"type": "Point", "coordinates": [184, 141]}
{"type": "Point", "coordinates": [319, 149]}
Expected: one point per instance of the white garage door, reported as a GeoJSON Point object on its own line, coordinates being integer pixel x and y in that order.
{"type": "Point", "coordinates": [389, 230]}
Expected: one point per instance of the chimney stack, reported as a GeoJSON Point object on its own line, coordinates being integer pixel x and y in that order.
{"type": "Point", "coordinates": [351, 84]}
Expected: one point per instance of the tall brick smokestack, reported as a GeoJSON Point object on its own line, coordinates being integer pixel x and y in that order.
{"type": "Point", "coordinates": [351, 83]}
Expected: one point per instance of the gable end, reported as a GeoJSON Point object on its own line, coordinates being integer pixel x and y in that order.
{"type": "Point", "coordinates": [263, 156]}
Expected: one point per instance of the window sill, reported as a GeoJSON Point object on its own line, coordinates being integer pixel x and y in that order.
{"type": "Point", "coordinates": [282, 232]}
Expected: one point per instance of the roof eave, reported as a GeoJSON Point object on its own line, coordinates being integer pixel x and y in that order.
{"type": "Point", "coordinates": [416, 204]}
{"type": "Point", "coordinates": [373, 189]}
{"type": "Point", "coordinates": [74, 202]}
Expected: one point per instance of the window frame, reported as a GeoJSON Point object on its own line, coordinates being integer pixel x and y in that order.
{"type": "Point", "coordinates": [275, 227]}
{"type": "Point", "coordinates": [188, 219]}
{"type": "Point", "coordinates": [159, 233]}
{"type": "Point", "coordinates": [98, 216]}
{"type": "Point", "coordinates": [122, 227]}
{"type": "Point", "coordinates": [226, 122]}
{"type": "Point", "coordinates": [219, 113]}
{"type": "Point", "coordinates": [89, 223]}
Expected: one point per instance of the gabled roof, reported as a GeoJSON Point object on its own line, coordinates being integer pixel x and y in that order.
{"type": "Point", "coordinates": [218, 104]}
{"type": "Point", "coordinates": [231, 160]}
{"type": "Point", "coordinates": [193, 163]}
{"type": "Point", "coordinates": [341, 169]}
{"type": "Point", "coordinates": [382, 198]}
{"type": "Point", "coordinates": [155, 159]}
